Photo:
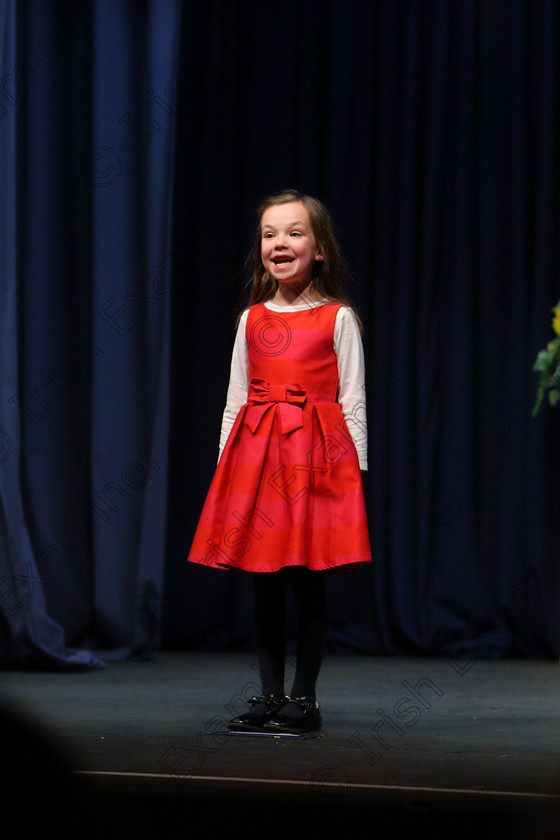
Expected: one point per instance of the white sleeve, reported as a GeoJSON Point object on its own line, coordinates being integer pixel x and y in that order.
{"type": "Point", "coordinates": [351, 375]}
{"type": "Point", "coordinates": [238, 388]}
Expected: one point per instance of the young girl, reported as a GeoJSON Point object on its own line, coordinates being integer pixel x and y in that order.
{"type": "Point", "coordinates": [286, 500]}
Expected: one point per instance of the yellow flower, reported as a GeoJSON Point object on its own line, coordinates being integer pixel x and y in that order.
{"type": "Point", "coordinates": [556, 321]}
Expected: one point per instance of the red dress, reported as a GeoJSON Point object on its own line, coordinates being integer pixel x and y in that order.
{"type": "Point", "coordinates": [287, 490]}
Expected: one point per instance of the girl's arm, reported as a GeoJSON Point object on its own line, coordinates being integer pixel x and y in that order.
{"type": "Point", "coordinates": [351, 375]}
{"type": "Point", "coordinates": [238, 388]}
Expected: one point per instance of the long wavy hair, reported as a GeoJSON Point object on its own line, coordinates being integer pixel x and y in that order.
{"type": "Point", "coordinates": [327, 273]}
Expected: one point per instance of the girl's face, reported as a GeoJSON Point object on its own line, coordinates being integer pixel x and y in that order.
{"type": "Point", "coordinates": [288, 246]}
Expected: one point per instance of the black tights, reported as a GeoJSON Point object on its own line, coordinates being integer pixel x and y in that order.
{"type": "Point", "coordinates": [270, 628]}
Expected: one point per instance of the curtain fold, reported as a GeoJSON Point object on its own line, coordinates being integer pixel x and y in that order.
{"type": "Point", "coordinates": [86, 291]}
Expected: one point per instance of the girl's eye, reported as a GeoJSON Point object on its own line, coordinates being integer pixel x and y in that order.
{"type": "Point", "coordinates": [296, 233]}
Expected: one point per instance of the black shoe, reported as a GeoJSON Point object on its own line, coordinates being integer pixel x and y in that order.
{"type": "Point", "coordinates": [309, 721]}
{"type": "Point", "coordinates": [262, 708]}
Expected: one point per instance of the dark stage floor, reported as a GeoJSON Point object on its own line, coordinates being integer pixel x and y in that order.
{"type": "Point", "coordinates": [430, 747]}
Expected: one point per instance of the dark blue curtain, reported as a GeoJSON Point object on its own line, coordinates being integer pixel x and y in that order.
{"type": "Point", "coordinates": [87, 105]}
{"type": "Point", "coordinates": [136, 140]}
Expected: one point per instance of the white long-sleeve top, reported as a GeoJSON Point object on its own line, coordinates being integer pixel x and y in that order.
{"type": "Point", "coordinates": [347, 343]}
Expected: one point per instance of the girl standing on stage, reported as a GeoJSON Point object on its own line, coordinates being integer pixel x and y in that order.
{"type": "Point", "coordinates": [286, 501]}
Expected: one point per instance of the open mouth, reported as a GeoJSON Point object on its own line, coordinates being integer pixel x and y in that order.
{"type": "Point", "coordinates": [280, 261]}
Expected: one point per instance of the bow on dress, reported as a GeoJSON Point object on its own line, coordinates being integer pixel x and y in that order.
{"type": "Point", "coordinates": [286, 400]}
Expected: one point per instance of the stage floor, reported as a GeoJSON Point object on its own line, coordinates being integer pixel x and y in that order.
{"type": "Point", "coordinates": [423, 745]}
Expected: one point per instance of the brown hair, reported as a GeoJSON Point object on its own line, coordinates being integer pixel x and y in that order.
{"type": "Point", "coordinates": [327, 273]}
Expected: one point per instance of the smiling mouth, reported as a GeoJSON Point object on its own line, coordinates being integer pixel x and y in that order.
{"type": "Point", "coordinates": [280, 261]}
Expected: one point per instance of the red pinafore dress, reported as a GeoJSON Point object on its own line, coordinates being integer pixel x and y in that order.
{"type": "Point", "coordinates": [287, 490]}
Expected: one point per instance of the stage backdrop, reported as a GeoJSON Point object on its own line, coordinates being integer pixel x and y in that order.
{"type": "Point", "coordinates": [136, 140]}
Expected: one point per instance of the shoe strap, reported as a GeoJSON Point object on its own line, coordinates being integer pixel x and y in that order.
{"type": "Point", "coordinates": [306, 703]}
{"type": "Point", "coordinates": [269, 700]}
